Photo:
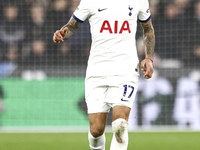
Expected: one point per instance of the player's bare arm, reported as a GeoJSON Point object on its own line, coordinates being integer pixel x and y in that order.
{"type": "Point", "coordinates": [149, 39]}
{"type": "Point", "coordinates": [66, 31]}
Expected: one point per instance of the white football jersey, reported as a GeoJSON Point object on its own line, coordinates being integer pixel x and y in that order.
{"type": "Point", "coordinates": [113, 25]}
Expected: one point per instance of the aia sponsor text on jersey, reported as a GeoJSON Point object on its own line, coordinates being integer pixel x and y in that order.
{"type": "Point", "coordinates": [115, 28]}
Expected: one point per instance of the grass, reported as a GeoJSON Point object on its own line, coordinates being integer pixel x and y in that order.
{"type": "Point", "coordinates": [78, 141]}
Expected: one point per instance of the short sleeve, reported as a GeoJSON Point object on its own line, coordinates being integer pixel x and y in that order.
{"type": "Point", "coordinates": [82, 12]}
{"type": "Point", "coordinates": [144, 13]}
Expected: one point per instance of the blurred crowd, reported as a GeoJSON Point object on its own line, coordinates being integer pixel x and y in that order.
{"type": "Point", "coordinates": [27, 27]}
{"type": "Point", "coordinates": [176, 24]}
{"type": "Point", "coordinates": [26, 33]}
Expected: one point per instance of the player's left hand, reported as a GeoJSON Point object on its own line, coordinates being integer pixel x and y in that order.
{"type": "Point", "coordinates": [147, 68]}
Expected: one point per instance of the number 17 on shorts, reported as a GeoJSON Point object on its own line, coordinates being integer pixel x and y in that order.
{"type": "Point", "coordinates": [128, 92]}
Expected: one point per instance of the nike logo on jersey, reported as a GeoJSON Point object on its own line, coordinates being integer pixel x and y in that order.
{"type": "Point", "coordinates": [148, 11]}
{"type": "Point", "coordinates": [102, 9]}
{"type": "Point", "coordinates": [124, 100]}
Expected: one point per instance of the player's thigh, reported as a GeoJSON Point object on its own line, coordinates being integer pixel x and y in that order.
{"type": "Point", "coordinates": [95, 93]}
{"type": "Point", "coordinates": [121, 112]}
{"type": "Point", "coordinates": [97, 123]}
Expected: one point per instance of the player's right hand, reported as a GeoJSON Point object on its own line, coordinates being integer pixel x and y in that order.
{"type": "Point", "coordinates": [59, 35]}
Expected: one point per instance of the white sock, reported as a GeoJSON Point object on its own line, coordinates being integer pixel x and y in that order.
{"type": "Point", "coordinates": [120, 135]}
{"type": "Point", "coordinates": [97, 143]}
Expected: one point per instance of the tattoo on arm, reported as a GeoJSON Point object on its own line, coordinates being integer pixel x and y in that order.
{"type": "Point", "coordinates": [149, 38]}
{"type": "Point", "coordinates": [72, 25]}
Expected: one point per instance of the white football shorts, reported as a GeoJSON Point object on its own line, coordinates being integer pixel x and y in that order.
{"type": "Point", "coordinates": [102, 93]}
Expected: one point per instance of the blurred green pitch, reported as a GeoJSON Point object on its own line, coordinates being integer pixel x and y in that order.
{"type": "Point", "coordinates": [78, 141]}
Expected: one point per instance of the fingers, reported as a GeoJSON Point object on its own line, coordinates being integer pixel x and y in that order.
{"type": "Point", "coordinates": [63, 32]}
{"type": "Point", "coordinates": [57, 38]}
{"type": "Point", "coordinates": [149, 71]}
{"type": "Point", "coordinates": [142, 65]}
{"type": "Point", "coordinates": [147, 68]}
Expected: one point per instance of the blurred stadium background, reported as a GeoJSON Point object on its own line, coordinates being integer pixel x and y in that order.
{"type": "Point", "coordinates": [42, 84]}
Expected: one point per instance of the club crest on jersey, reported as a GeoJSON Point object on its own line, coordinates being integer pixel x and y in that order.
{"type": "Point", "coordinates": [107, 27]}
{"type": "Point", "coordinates": [130, 8]}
